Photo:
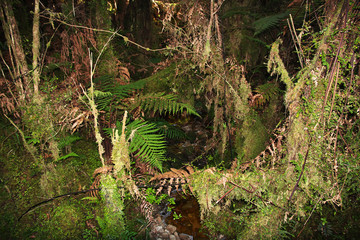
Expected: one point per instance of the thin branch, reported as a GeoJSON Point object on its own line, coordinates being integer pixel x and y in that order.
{"type": "Point", "coordinates": [84, 191]}
{"type": "Point", "coordinates": [293, 34]}
{"type": "Point", "coordinates": [302, 171]}
{"type": "Point", "coordinates": [334, 93]}
{"type": "Point", "coordinates": [310, 215]}
{"type": "Point", "coordinates": [225, 194]}
{"type": "Point", "coordinates": [126, 39]}
{"type": "Point", "coordinates": [27, 146]}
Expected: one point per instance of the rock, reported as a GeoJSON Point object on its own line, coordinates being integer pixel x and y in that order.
{"type": "Point", "coordinates": [159, 228]}
{"type": "Point", "coordinates": [172, 237]}
{"type": "Point", "coordinates": [171, 228]}
{"type": "Point", "coordinates": [176, 235]}
{"type": "Point", "coordinates": [165, 235]}
{"type": "Point", "coordinates": [184, 236]}
{"type": "Point", "coordinates": [158, 220]}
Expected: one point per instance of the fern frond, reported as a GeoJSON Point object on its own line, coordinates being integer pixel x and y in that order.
{"type": "Point", "coordinates": [169, 130]}
{"type": "Point", "coordinates": [100, 94]}
{"type": "Point", "coordinates": [114, 92]}
{"type": "Point", "coordinates": [263, 24]}
{"type": "Point", "coordinates": [264, 93]}
{"type": "Point", "coordinates": [66, 141]}
{"type": "Point", "coordinates": [162, 103]}
{"type": "Point", "coordinates": [146, 142]}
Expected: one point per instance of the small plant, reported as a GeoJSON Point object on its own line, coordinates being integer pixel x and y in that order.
{"type": "Point", "coordinates": [152, 198]}
{"type": "Point", "coordinates": [176, 216]}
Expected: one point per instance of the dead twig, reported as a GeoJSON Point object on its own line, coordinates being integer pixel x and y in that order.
{"type": "Point", "coordinates": [225, 195]}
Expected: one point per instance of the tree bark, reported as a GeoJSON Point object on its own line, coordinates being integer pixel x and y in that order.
{"type": "Point", "coordinates": [13, 39]}
{"type": "Point", "coordinates": [36, 51]}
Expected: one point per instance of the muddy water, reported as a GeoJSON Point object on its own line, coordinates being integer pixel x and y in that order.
{"type": "Point", "coordinates": [189, 222]}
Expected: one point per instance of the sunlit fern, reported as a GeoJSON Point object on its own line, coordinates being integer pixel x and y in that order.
{"type": "Point", "coordinates": [145, 141]}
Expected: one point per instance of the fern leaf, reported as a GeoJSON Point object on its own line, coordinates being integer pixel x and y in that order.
{"type": "Point", "coordinates": [265, 93]}
{"type": "Point", "coordinates": [112, 90]}
{"type": "Point", "coordinates": [162, 103]}
{"type": "Point", "coordinates": [170, 131]}
{"type": "Point", "coordinates": [263, 24]}
{"type": "Point", "coordinates": [67, 141]}
{"type": "Point", "coordinates": [146, 142]}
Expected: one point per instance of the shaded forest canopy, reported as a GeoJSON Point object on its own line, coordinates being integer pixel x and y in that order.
{"type": "Point", "coordinates": [250, 107]}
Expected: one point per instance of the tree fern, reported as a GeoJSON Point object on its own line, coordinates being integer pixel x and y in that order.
{"type": "Point", "coordinates": [162, 103]}
{"type": "Point", "coordinates": [263, 24]}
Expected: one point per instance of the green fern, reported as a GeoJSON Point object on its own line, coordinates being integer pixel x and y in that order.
{"type": "Point", "coordinates": [169, 130]}
{"type": "Point", "coordinates": [128, 235]}
{"type": "Point", "coordinates": [113, 92]}
{"type": "Point", "coordinates": [265, 93]}
{"type": "Point", "coordinates": [66, 141]}
{"type": "Point", "coordinates": [264, 24]}
{"type": "Point", "coordinates": [268, 90]}
{"type": "Point", "coordinates": [145, 141]}
{"type": "Point", "coordinates": [162, 103]}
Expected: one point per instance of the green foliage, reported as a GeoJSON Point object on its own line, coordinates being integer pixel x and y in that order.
{"type": "Point", "coordinates": [72, 154]}
{"type": "Point", "coordinates": [146, 142]}
{"type": "Point", "coordinates": [152, 198]}
{"type": "Point", "coordinates": [162, 103]}
{"type": "Point", "coordinates": [268, 91]}
{"type": "Point", "coordinates": [67, 141]}
{"type": "Point", "coordinates": [266, 23]}
{"type": "Point", "coordinates": [251, 140]}
{"type": "Point", "coordinates": [170, 131]}
{"type": "Point", "coordinates": [128, 235]}
{"type": "Point", "coordinates": [112, 93]}
{"type": "Point", "coordinates": [112, 222]}
{"type": "Point", "coordinates": [65, 222]}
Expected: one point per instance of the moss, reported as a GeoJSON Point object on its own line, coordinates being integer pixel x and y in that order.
{"type": "Point", "coordinates": [161, 81]}
{"type": "Point", "coordinates": [65, 222]}
{"type": "Point", "coordinates": [112, 222]}
{"type": "Point", "coordinates": [251, 139]}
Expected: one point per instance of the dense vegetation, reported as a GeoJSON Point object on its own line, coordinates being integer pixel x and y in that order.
{"type": "Point", "coordinates": [253, 106]}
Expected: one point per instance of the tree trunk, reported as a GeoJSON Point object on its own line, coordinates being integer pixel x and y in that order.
{"type": "Point", "coordinates": [16, 51]}
{"type": "Point", "coordinates": [36, 51]}
{"type": "Point", "coordinates": [138, 21]}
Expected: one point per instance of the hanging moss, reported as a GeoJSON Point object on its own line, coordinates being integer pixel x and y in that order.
{"type": "Point", "coordinates": [251, 139]}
